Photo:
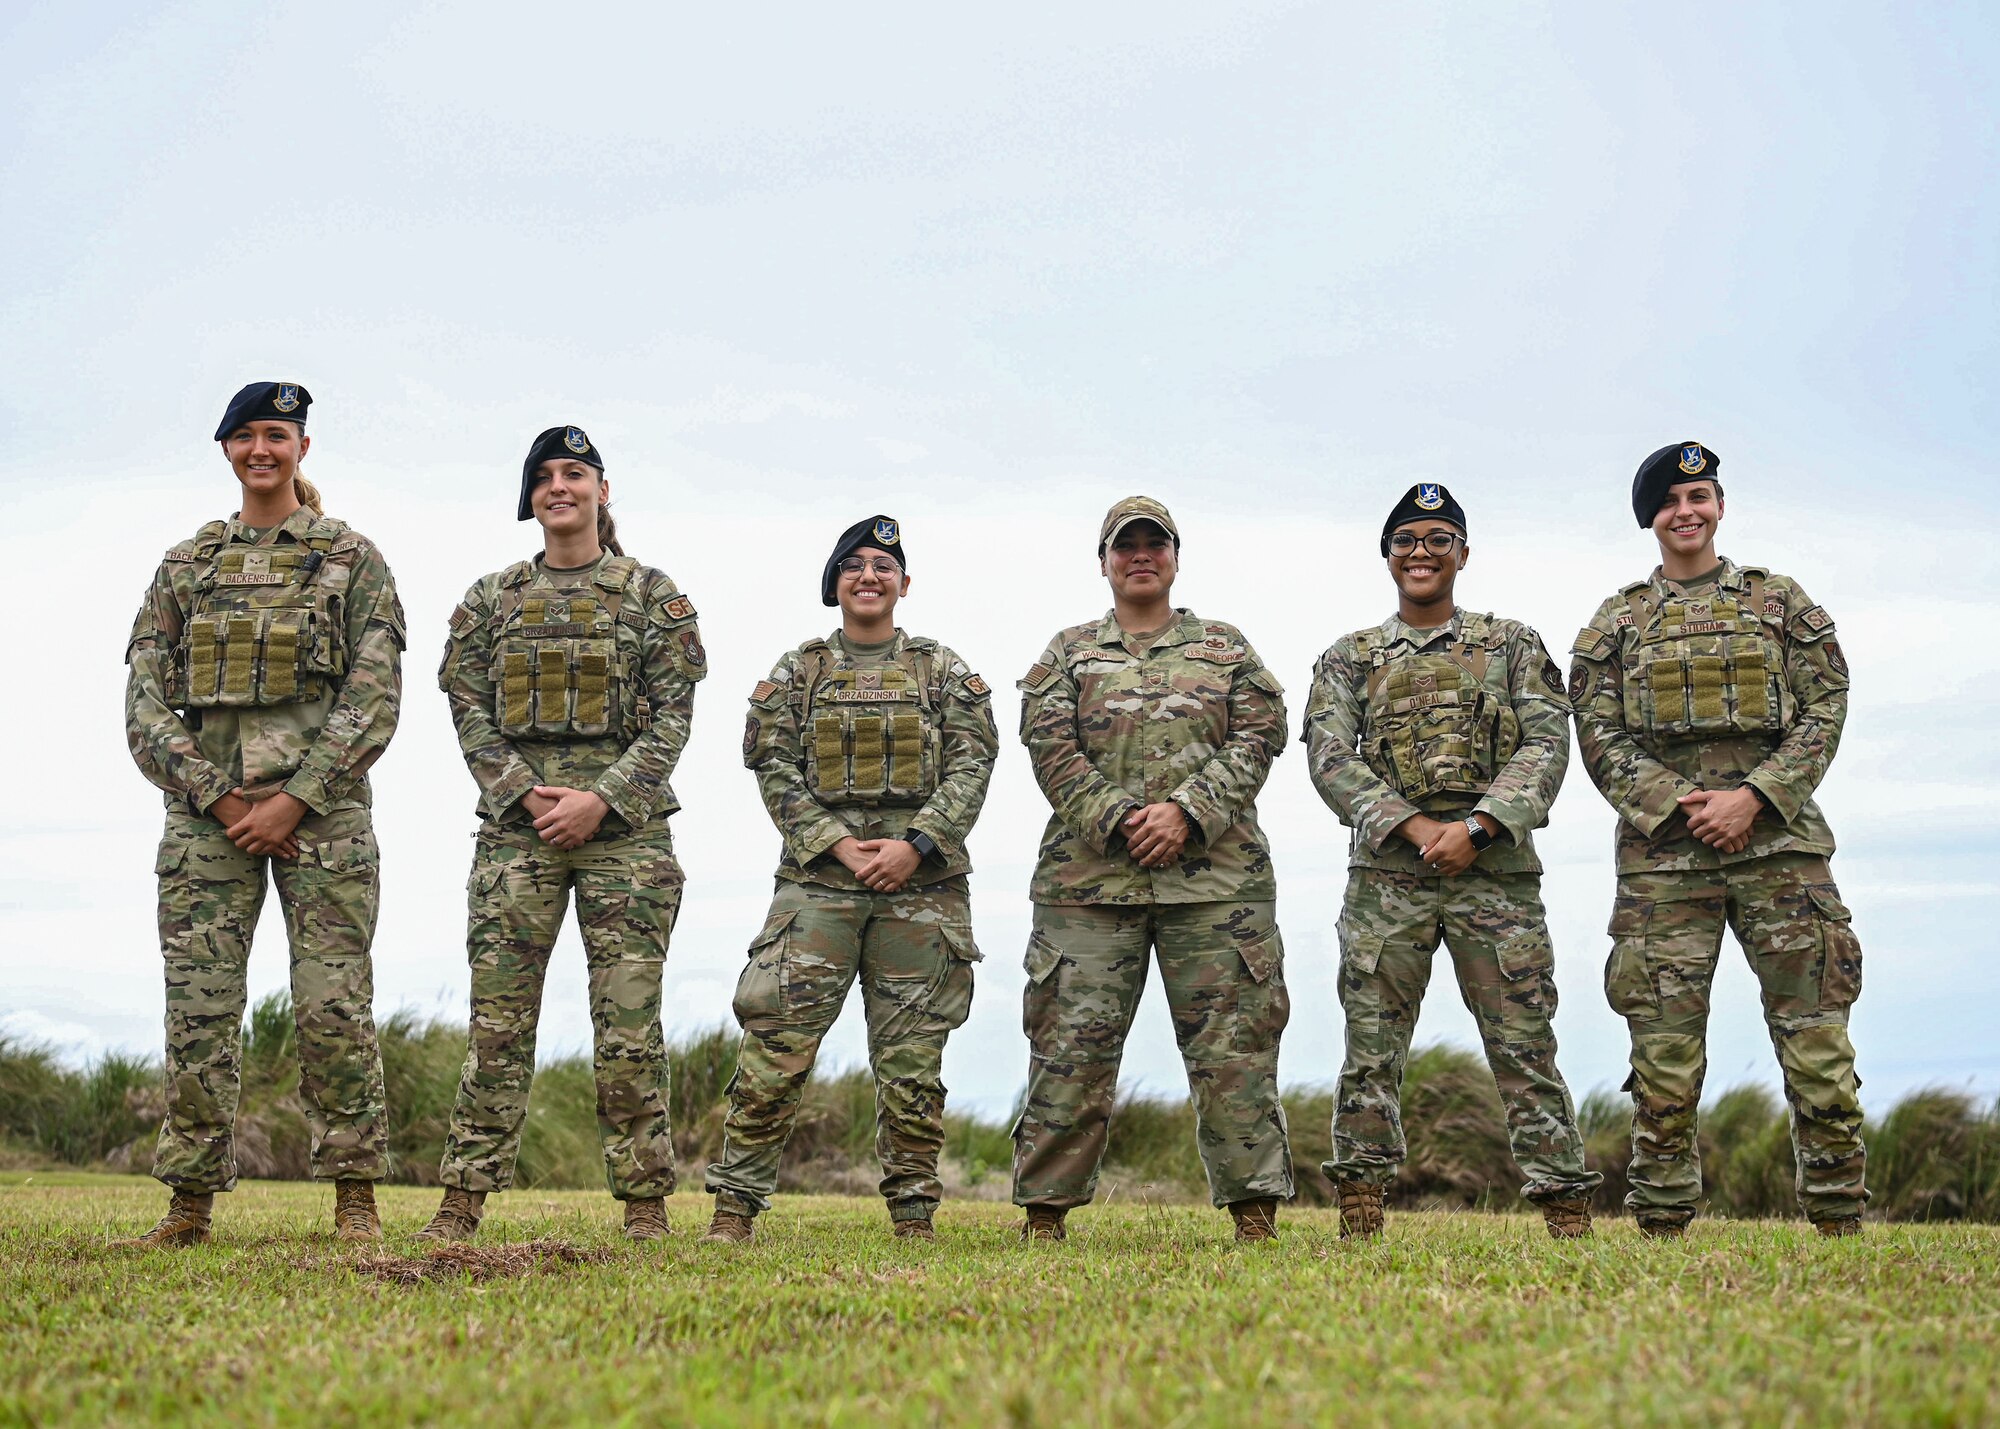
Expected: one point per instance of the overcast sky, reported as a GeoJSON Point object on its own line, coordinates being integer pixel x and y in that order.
{"type": "Point", "coordinates": [988, 272]}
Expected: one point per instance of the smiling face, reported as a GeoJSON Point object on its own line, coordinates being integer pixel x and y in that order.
{"type": "Point", "coordinates": [1424, 575]}
{"type": "Point", "coordinates": [566, 496]}
{"type": "Point", "coordinates": [1686, 522]}
{"type": "Point", "coordinates": [1141, 563]}
{"type": "Point", "coordinates": [265, 455]}
{"type": "Point", "coordinates": [869, 584]}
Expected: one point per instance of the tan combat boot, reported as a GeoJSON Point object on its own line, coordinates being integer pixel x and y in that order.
{"type": "Point", "coordinates": [1833, 1226]}
{"type": "Point", "coordinates": [729, 1228]}
{"type": "Point", "coordinates": [184, 1224]}
{"type": "Point", "coordinates": [1360, 1209]}
{"type": "Point", "coordinates": [1045, 1223]}
{"type": "Point", "coordinates": [1569, 1218]}
{"type": "Point", "coordinates": [1663, 1229]}
{"type": "Point", "coordinates": [646, 1219]}
{"type": "Point", "coordinates": [458, 1217]}
{"type": "Point", "coordinates": [1256, 1219]}
{"type": "Point", "coordinates": [914, 1229]}
{"type": "Point", "coordinates": [354, 1217]}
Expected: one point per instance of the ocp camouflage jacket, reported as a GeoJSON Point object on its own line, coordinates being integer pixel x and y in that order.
{"type": "Point", "coordinates": [951, 705]}
{"type": "Point", "coordinates": [1739, 681]}
{"type": "Point", "coordinates": [1515, 681]}
{"type": "Point", "coordinates": [342, 682]}
{"type": "Point", "coordinates": [643, 686]}
{"type": "Point", "coordinates": [1197, 719]}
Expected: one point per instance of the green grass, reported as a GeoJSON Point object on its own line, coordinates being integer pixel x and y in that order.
{"type": "Point", "coordinates": [1147, 1316]}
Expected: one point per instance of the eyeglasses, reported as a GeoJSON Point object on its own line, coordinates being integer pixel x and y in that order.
{"type": "Point", "coordinates": [1438, 543]}
{"type": "Point", "coordinates": [880, 566]}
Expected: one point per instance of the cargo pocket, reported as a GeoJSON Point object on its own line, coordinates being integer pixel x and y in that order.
{"type": "Point", "coordinates": [1264, 1006]}
{"type": "Point", "coordinates": [1628, 978]}
{"type": "Point", "coordinates": [171, 858]}
{"type": "Point", "coordinates": [951, 1000]}
{"type": "Point", "coordinates": [1041, 1016]}
{"type": "Point", "coordinates": [760, 991]}
{"type": "Point", "coordinates": [350, 853]}
{"type": "Point", "coordinates": [1840, 975]}
{"type": "Point", "coordinates": [1527, 961]}
{"type": "Point", "coordinates": [1043, 959]}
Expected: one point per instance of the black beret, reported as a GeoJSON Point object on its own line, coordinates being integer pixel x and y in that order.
{"type": "Point", "coordinates": [265, 402]}
{"type": "Point", "coordinates": [1426, 501]}
{"type": "Point", "coordinates": [569, 443]}
{"type": "Point", "coordinates": [881, 532]}
{"type": "Point", "coordinates": [1667, 468]}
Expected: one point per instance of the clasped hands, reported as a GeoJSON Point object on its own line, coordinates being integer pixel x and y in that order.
{"type": "Point", "coordinates": [566, 818]}
{"type": "Point", "coordinates": [1722, 818]}
{"type": "Point", "coordinates": [1445, 844]}
{"type": "Point", "coordinates": [1157, 834]}
{"type": "Point", "coordinates": [884, 865]}
{"type": "Point", "coordinates": [267, 828]}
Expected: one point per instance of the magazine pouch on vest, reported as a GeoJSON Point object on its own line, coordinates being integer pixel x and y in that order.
{"type": "Point", "coordinates": [1705, 666]}
{"type": "Point", "coordinates": [560, 671]}
{"type": "Point", "coordinates": [265, 628]}
{"type": "Point", "coordinates": [1437, 731]}
{"type": "Point", "coordinates": [873, 736]}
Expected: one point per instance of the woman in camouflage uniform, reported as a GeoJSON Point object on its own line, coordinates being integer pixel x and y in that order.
{"type": "Point", "coordinates": [1151, 731]}
{"type": "Point", "coordinates": [873, 749]}
{"type": "Point", "coordinates": [571, 680]}
{"type": "Point", "coordinates": [265, 680]}
{"type": "Point", "coordinates": [1709, 701]}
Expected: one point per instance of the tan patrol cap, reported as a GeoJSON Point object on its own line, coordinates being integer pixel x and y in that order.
{"type": "Point", "coordinates": [1135, 508]}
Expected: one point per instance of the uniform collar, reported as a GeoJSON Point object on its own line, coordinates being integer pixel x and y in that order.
{"type": "Point", "coordinates": [1187, 627]}
{"type": "Point", "coordinates": [1727, 577]}
{"type": "Point", "coordinates": [837, 642]}
{"type": "Point", "coordinates": [1396, 628]}
{"type": "Point", "coordinates": [296, 525]}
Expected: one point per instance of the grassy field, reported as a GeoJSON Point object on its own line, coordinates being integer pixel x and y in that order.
{"type": "Point", "coordinates": [1147, 1315]}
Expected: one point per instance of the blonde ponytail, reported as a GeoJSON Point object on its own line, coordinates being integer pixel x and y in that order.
{"type": "Point", "coordinates": [308, 495]}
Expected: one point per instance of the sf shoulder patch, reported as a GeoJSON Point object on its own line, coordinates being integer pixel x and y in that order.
{"type": "Point", "coordinates": [1579, 682]}
{"type": "Point", "coordinates": [976, 686]}
{"type": "Point", "coordinates": [680, 608]}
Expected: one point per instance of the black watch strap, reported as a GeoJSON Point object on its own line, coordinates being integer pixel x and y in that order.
{"type": "Point", "coordinates": [924, 844]}
{"type": "Point", "coordinates": [1477, 831]}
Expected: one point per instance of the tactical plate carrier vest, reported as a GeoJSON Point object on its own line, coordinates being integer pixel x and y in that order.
{"type": "Point", "coordinates": [871, 736]}
{"type": "Point", "coordinates": [267, 626]}
{"type": "Point", "coordinates": [566, 667]}
{"type": "Point", "coordinates": [1705, 665]}
{"type": "Point", "coordinates": [1435, 731]}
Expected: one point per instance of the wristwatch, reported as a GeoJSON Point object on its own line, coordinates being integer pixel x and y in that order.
{"type": "Point", "coordinates": [924, 844]}
{"type": "Point", "coordinates": [1477, 832]}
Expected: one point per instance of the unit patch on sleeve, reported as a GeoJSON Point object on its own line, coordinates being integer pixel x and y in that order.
{"type": "Point", "coordinates": [976, 686]}
{"type": "Point", "coordinates": [680, 608]}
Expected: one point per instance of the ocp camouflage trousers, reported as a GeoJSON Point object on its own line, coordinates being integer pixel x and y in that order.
{"type": "Point", "coordinates": [1666, 932]}
{"type": "Point", "coordinates": [1222, 965]}
{"type": "Point", "coordinates": [913, 952]}
{"type": "Point", "coordinates": [211, 893]}
{"type": "Point", "coordinates": [1494, 926]}
{"type": "Point", "coordinates": [628, 893]}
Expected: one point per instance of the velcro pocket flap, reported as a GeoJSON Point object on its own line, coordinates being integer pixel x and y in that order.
{"type": "Point", "coordinates": [1828, 903]}
{"type": "Point", "coordinates": [1264, 956]}
{"type": "Point", "coordinates": [959, 942]}
{"type": "Point", "coordinates": [1628, 918]}
{"type": "Point", "coordinates": [170, 858]}
{"type": "Point", "coordinates": [1361, 952]}
{"type": "Point", "coordinates": [1264, 680]}
{"type": "Point", "coordinates": [773, 929]}
{"type": "Point", "coordinates": [1043, 958]}
{"type": "Point", "coordinates": [346, 854]}
{"type": "Point", "coordinates": [1528, 951]}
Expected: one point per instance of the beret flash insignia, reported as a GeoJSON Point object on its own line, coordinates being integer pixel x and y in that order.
{"type": "Point", "coordinates": [1429, 497]}
{"type": "Point", "coordinates": [576, 441]}
{"type": "Point", "coordinates": [287, 399]}
{"type": "Point", "coordinates": [1694, 461]}
{"type": "Point", "coordinates": [886, 532]}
